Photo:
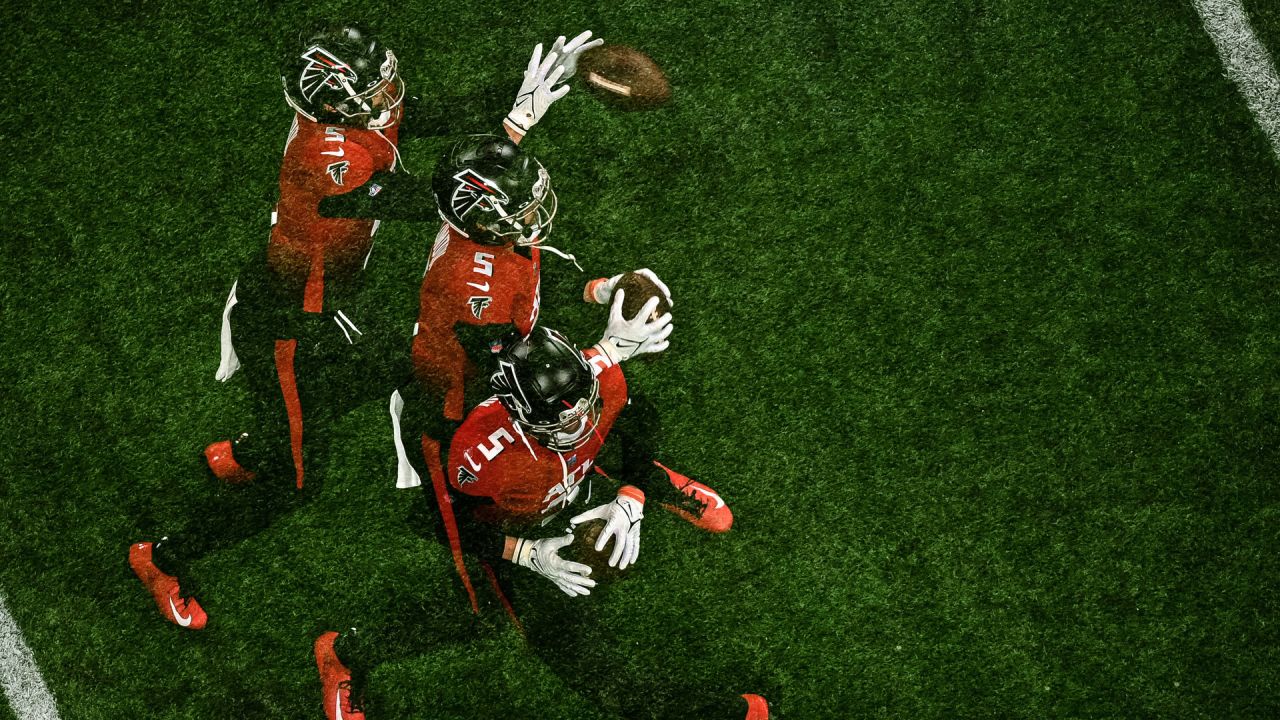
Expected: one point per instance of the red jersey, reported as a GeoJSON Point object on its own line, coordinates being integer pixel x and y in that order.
{"type": "Point", "coordinates": [527, 483]}
{"type": "Point", "coordinates": [319, 161]}
{"type": "Point", "coordinates": [472, 284]}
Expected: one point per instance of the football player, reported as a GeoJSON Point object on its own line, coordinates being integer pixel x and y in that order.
{"type": "Point", "coordinates": [483, 279]}
{"type": "Point", "coordinates": [521, 458]}
{"type": "Point", "coordinates": [485, 267]}
{"type": "Point", "coordinates": [299, 308]}
{"type": "Point", "coordinates": [348, 99]}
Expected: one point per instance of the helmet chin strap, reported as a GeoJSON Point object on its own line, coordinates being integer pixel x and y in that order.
{"type": "Point", "coordinates": [561, 253]}
{"type": "Point", "coordinates": [395, 151]}
{"type": "Point", "coordinates": [384, 116]}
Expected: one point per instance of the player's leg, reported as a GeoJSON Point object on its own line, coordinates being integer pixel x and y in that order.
{"type": "Point", "coordinates": [175, 603]}
{"type": "Point", "coordinates": [304, 370]}
{"type": "Point", "coordinates": [235, 511]}
{"type": "Point", "coordinates": [408, 627]}
{"type": "Point", "coordinates": [262, 323]}
{"type": "Point", "coordinates": [735, 706]}
{"type": "Point", "coordinates": [639, 436]}
{"type": "Point", "coordinates": [165, 566]}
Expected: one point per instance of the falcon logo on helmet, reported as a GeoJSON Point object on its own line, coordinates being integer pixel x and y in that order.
{"type": "Point", "coordinates": [343, 75]}
{"type": "Point", "coordinates": [475, 190]}
{"type": "Point", "coordinates": [323, 69]}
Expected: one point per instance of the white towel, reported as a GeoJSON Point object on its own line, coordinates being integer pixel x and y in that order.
{"type": "Point", "coordinates": [228, 363]}
{"type": "Point", "coordinates": [406, 476]}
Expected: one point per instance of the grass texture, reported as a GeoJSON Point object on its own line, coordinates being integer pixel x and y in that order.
{"type": "Point", "coordinates": [977, 331]}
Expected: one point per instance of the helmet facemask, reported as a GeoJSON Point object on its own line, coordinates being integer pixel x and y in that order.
{"type": "Point", "coordinates": [572, 427]}
{"type": "Point", "coordinates": [530, 224]}
{"type": "Point", "coordinates": [375, 106]}
{"type": "Point", "coordinates": [563, 420]}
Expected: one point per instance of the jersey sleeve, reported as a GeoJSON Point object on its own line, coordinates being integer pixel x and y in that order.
{"type": "Point", "coordinates": [613, 384]}
{"type": "Point", "coordinates": [601, 366]}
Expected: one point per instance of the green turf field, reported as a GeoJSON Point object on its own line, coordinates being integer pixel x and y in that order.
{"type": "Point", "coordinates": [977, 331]}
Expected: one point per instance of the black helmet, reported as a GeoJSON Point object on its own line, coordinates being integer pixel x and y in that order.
{"type": "Point", "coordinates": [343, 75]}
{"type": "Point", "coordinates": [493, 192]}
{"type": "Point", "coordinates": [548, 388]}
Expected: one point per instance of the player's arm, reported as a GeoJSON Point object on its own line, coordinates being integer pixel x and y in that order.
{"type": "Point", "coordinates": [473, 489]}
{"type": "Point", "coordinates": [440, 111]}
{"type": "Point", "coordinates": [475, 476]}
{"type": "Point", "coordinates": [479, 539]}
{"type": "Point", "coordinates": [471, 493]}
{"type": "Point", "coordinates": [542, 556]}
{"type": "Point", "coordinates": [541, 76]}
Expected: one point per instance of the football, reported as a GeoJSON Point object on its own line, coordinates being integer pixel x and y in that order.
{"type": "Point", "coordinates": [624, 77]}
{"type": "Point", "coordinates": [583, 550]}
{"type": "Point", "coordinates": [639, 289]}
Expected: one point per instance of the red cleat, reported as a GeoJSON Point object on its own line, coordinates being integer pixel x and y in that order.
{"type": "Point", "coordinates": [222, 462]}
{"type": "Point", "coordinates": [757, 707]}
{"type": "Point", "coordinates": [706, 509]}
{"type": "Point", "coordinates": [335, 681]}
{"type": "Point", "coordinates": [185, 613]}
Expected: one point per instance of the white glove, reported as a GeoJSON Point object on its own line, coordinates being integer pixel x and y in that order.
{"type": "Point", "coordinates": [622, 517]}
{"type": "Point", "coordinates": [600, 290]}
{"type": "Point", "coordinates": [569, 52]}
{"type": "Point", "coordinates": [625, 338]}
{"type": "Point", "coordinates": [543, 557]}
{"type": "Point", "coordinates": [537, 92]}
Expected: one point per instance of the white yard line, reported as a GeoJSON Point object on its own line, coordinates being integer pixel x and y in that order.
{"type": "Point", "coordinates": [28, 695]}
{"type": "Point", "coordinates": [1248, 63]}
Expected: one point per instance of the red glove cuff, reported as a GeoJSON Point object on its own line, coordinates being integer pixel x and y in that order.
{"type": "Point", "coordinates": [632, 492]}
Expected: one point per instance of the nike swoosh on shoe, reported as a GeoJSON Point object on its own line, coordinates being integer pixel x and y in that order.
{"type": "Point", "coordinates": [710, 493]}
{"type": "Point", "coordinates": [177, 617]}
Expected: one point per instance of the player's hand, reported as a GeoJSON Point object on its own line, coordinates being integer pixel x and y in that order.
{"type": "Point", "coordinates": [601, 289]}
{"type": "Point", "coordinates": [622, 523]}
{"type": "Point", "coordinates": [543, 557]}
{"type": "Point", "coordinates": [624, 338]}
{"type": "Point", "coordinates": [537, 92]}
{"type": "Point", "coordinates": [569, 52]}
